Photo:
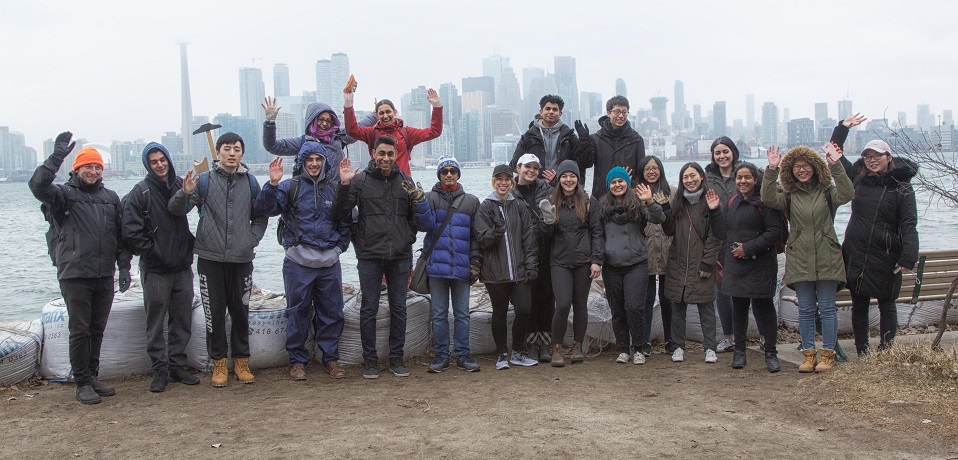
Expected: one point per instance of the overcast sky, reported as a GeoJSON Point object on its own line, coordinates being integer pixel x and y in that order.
{"type": "Point", "coordinates": [109, 70]}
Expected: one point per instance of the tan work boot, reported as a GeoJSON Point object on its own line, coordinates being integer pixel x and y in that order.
{"type": "Point", "coordinates": [576, 357]}
{"type": "Point", "coordinates": [811, 359]}
{"type": "Point", "coordinates": [557, 359]}
{"type": "Point", "coordinates": [335, 370]}
{"type": "Point", "coordinates": [220, 375]}
{"type": "Point", "coordinates": [298, 372]}
{"type": "Point", "coordinates": [241, 369]}
{"type": "Point", "coordinates": [827, 361]}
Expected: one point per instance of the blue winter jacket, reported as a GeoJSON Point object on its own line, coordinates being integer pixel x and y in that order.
{"type": "Point", "coordinates": [312, 215]}
{"type": "Point", "coordinates": [455, 247]}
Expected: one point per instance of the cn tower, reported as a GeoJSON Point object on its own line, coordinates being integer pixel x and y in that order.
{"type": "Point", "coordinates": [185, 101]}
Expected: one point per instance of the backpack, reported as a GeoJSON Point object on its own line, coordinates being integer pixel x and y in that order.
{"type": "Point", "coordinates": [293, 208]}
{"type": "Point", "coordinates": [782, 237]}
{"type": "Point", "coordinates": [204, 190]}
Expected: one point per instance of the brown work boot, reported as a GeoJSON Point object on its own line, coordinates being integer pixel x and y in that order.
{"type": "Point", "coordinates": [335, 370]}
{"type": "Point", "coordinates": [241, 369]}
{"type": "Point", "coordinates": [827, 361]}
{"type": "Point", "coordinates": [220, 375]}
{"type": "Point", "coordinates": [557, 359]}
{"type": "Point", "coordinates": [811, 359]}
{"type": "Point", "coordinates": [298, 371]}
{"type": "Point", "coordinates": [576, 357]}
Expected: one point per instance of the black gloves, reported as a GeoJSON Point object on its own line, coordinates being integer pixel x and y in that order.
{"type": "Point", "coordinates": [581, 130]}
{"type": "Point", "coordinates": [498, 223]}
{"type": "Point", "coordinates": [473, 272]}
{"type": "Point", "coordinates": [124, 280]}
{"type": "Point", "coordinates": [532, 275]}
{"type": "Point", "coordinates": [62, 146]}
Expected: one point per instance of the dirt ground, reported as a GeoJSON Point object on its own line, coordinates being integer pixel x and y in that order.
{"type": "Point", "coordinates": [598, 409]}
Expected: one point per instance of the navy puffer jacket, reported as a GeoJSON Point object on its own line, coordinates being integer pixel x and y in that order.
{"type": "Point", "coordinates": [454, 247]}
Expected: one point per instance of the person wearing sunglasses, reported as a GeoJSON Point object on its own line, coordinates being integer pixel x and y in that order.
{"type": "Point", "coordinates": [615, 144]}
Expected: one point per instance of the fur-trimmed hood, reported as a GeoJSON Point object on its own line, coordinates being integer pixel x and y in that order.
{"type": "Point", "coordinates": [903, 173]}
{"type": "Point", "coordinates": [821, 180]}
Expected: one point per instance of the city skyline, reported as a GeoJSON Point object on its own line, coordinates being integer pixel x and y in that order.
{"type": "Point", "coordinates": [123, 90]}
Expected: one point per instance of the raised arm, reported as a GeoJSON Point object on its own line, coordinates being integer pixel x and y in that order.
{"type": "Point", "coordinates": [41, 184]}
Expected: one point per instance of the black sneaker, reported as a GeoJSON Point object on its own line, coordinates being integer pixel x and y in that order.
{"type": "Point", "coordinates": [371, 369]}
{"type": "Point", "coordinates": [467, 364]}
{"type": "Point", "coordinates": [647, 349]}
{"type": "Point", "coordinates": [102, 389]}
{"type": "Point", "coordinates": [439, 364]}
{"type": "Point", "coordinates": [160, 378]}
{"type": "Point", "coordinates": [178, 374]}
{"type": "Point", "coordinates": [398, 368]}
{"type": "Point", "coordinates": [86, 395]}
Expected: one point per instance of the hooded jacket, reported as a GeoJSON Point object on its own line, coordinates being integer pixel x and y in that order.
{"type": "Point", "coordinates": [697, 232]}
{"type": "Point", "coordinates": [454, 249]}
{"type": "Point", "coordinates": [387, 223]}
{"type": "Point", "coordinates": [532, 142]}
{"type": "Point", "coordinates": [812, 252]}
{"type": "Point", "coordinates": [625, 244]}
{"type": "Point", "coordinates": [532, 194]}
{"type": "Point", "coordinates": [88, 220]}
{"type": "Point", "coordinates": [334, 148]}
{"type": "Point", "coordinates": [162, 240]}
{"type": "Point", "coordinates": [655, 238]}
{"type": "Point", "coordinates": [758, 228]}
{"type": "Point", "coordinates": [310, 221]}
{"type": "Point", "coordinates": [575, 243]}
{"type": "Point", "coordinates": [404, 144]}
{"type": "Point", "coordinates": [608, 148]}
{"type": "Point", "coordinates": [507, 256]}
{"type": "Point", "coordinates": [228, 229]}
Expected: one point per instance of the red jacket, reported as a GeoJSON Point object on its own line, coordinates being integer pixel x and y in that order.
{"type": "Point", "coordinates": [368, 134]}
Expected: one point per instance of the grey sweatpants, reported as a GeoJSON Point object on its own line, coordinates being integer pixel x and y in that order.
{"type": "Point", "coordinates": [706, 316]}
{"type": "Point", "coordinates": [168, 298]}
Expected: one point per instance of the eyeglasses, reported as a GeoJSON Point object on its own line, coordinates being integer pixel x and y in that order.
{"type": "Point", "coordinates": [872, 157]}
{"type": "Point", "coordinates": [324, 121]}
{"type": "Point", "coordinates": [448, 171]}
{"type": "Point", "coordinates": [802, 167]}
{"type": "Point", "coordinates": [620, 113]}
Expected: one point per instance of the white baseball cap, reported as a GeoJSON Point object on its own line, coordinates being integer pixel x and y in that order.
{"type": "Point", "coordinates": [877, 145]}
{"type": "Point", "coordinates": [528, 158]}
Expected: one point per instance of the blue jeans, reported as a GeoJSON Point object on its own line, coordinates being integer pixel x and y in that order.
{"type": "Point", "coordinates": [820, 296]}
{"type": "Point", "coordinates": [371, 273]}
{"type": "Point", "coordinates": [439, 290]}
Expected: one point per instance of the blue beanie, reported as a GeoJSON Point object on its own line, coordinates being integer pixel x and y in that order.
{"type": "Point", "coordinates": [617, 172]}
{"type": "Point", "coordinates": [446, 162]}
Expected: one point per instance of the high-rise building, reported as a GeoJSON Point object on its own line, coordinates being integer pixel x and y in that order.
{"type": "Point", "coordinates": [592, 106]}
{"type": "Point", "coordinates": [251, 132]}
{"type": "Point", "coordinates": [750, 112]}
{"type": "Point", "coordinates": [680, 115]}
{"type": "Point", "coordinates": [844, 109]}
{"type": "Point", "coordinates": [16, 159]}
{"type": "Point", "coordinates": [186, 102]}
{"type": "Point", "coordinates": [198, 145]}
{"type": "Point", "coordinates": [566, 83]}
{"type": "Point", "coordinates": [620, 88]}
{"type": "Point", "coordinates": [508, 94]}
{"type": "Point", "coordinates": [926, 119]}
{"type": "Point", "coordinates": [252, 93]}
{"type": "Point", "coordinates": [769, 124]}
{"type": "Point", "coordinates": [696, 114]}
{"type": "Point", "coordinates": [484, 84]}
{"type": "Point", "coordinates": [339, 74]}
{"type": "Point", "coordinates": [492, 66]}
{"type": "Point", "coordinates": [324, 87]}
{"type": "Point", "coordinates": [451, 105]}
{"type": "Point", "coordinates": [538, 87]}
{"type": "Point", "coordinates": [821, 113]}
{"type": "Point", "coordinates": [947, 117]}
{"type": "Point", "coordinates": [280, 80]}
{"type": "Point", "coordinates": [121, 155]}
{"type": "Point", "coordinates": [801, 131]}
{"type": "Point", "coordinates": [659, 110]}
{"type": "Point", "coordinates": [469, 136]}
{"type": "Point", "coordinates": [901, 121]}
{"type": "Point", "coordinates": [529, 74]}
{"type": "Point", "coordinates": [719, 121]}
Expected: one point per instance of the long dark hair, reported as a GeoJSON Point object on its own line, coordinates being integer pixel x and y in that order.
{"type": "Point", "coordinates": [662, 185]}
{"type": "Point", "coordinates": [575, 201]}
{"type": "Point", "coordinates": [678, 197]}
{"type": "Point", "coordinates": [631, 206]}
{"type": "Point", "coordinates": [755, 173]}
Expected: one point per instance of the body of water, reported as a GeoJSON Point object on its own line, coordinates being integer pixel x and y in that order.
{"type": "Point", "coordinates": [29, 280]}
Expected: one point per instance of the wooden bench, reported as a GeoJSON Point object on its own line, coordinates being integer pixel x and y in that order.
{"type": "Point", "coordinates": [931, 280]}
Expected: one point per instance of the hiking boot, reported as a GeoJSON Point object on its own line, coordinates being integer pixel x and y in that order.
{"type": "Point", "coordinates": [241, 370]}
{"type": "Point", "coordinates": [335, 370]}
{"type": "Point", "coordinates": [467, 364]}
{"type": "Point", "coordinates": [101, 389]}
{"type": "Point", "coordinates": [557, 359]}
{"type": "Point", "coordinates": [623, 358]}
{"type": "Point", "coordinates": [738, 360]}
{"type": "Point", "coordinates": [576, 356]}
{"type": "Point", "coordinates": [371, 369]}
{"type": "Point", "coordinates": [811, 359]}
{"type": "Point", "coordinates": [297, 371]}
{"type": "Point", "coordinates": [439, 364]}
{"type": "Point", "coordinates": [647, 349]}
{"type": "Point", "coordinates": [220, 375]}
{"type": "Point", "coordinates": [545, 353]}
{"type": "Point", "coordinates": [160, 379]}
{"type": "Point", "coordinates": [678, 355]}
{"type": "Point", "coordinates": [398, 368]}
{"type": "Point", "coordinates": [502, 362]}
{"type": "Point", "coordinates": [771, 362]}
{"type": "Point", "coordinates": [178, 374]}
{"type": "Point", "coordinates": [725, 345]}
{"type": "Point", "coordinates": [711, 357]}
{"type": "Point", "coordinates": [532, 351]}
{"type": "Point", "coordinates": [521, 359]}
{"type": "Point", "coordinates": [827, 360]}
{"type": "Point", "coordinates": [638, 358]}
{"type": "Point", "coordinates": [86, 395]}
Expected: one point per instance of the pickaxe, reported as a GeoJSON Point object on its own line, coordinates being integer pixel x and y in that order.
{"type": "Point", "coordinates": [203, 166]}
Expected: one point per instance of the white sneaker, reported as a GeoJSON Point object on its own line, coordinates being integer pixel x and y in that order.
{"type": "Point", "coordinates": [678, 355]}
{"type": "Point", "coordinates": [623, 358]}
{"type": "Point", "coordinates": [502, 362]}
{"type": "Point", "coordinates": [710, 357]}
{"type": "Point", "coordinates": [638, 358]}
{"type": "Point", "coordinates": [725, 345]}
{"type": "Point", "coordinates": [521, 359]}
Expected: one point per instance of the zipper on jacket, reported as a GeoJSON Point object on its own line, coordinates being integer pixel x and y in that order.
{"type": "Point", "coordinates": [512, 275]}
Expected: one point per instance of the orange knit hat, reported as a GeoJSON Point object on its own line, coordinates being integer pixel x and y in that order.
{"type": "Point", "coordinates": [87, 156]}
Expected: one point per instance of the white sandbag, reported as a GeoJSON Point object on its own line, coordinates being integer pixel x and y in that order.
{"type": "Point", "coordinates": [20, 343]}
{"type": "Point", "coordinates": [267, 333]}
{"type": "Point", "coordinates": [418, 327]}
{"type": "Point", "coordinates": [480, 324]}
{"type": "Point", "coordinates": [921, 314]}
{"type": "Point", "coordinates": [123, 351]}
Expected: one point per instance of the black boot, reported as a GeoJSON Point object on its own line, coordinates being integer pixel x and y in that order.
{"type": "Point", "coordinates": [102, 389]}
{"type": "Point", "coordinates": [771, 362]}
{"type": "Point", "coordinates": [545, 349]}
{"type": "Point", "coordinates": [178, 374]}
{"type": "Point", "coordinates": [160, 379]}
{"type": "Point", "coordinates": [738, 359]}
{"type": "Point", "coordinates": [86, 395]}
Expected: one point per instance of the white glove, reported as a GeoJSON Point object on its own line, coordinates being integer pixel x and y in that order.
{"type": "Point", "coordinates": [548, 212]}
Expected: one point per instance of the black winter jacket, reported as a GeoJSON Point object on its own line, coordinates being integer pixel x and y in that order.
{"type": "Point", "coordinates": [163, 241]}
{"type": "Point", "coordinates": [624, 241]}
{"type": "Point", "coordinates": [757, 228]}
{"type": "Point", "coordinates": [510, 255]}
{"type": "Point", "coordinates": [532, 194]}
{"type": "Point", "coordinates": [607, 149]}
{"type": "Point", "coordinates": [387, 215]}
{"type": "Point", "coordinates": [531, 142]}
{"type": "Point", "coordinates": [577, 243]}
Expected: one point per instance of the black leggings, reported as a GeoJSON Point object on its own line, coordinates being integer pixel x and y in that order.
{"type": "Point", "coordinates": [763, 309]}
{"type": "Point", "coordinates": [521, 296]}
{"type": "Point", "coordinates": [571, 288]}
{"type": "Point", "coordinates": [887, 321]}
{"type": "Point", "coordinates": [665, 305]}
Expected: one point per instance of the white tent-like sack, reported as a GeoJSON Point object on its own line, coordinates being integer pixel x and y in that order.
{"type": "Point", "coordinates": [418, 326]}
{"type": "Point", "coordinates": [20, 343]}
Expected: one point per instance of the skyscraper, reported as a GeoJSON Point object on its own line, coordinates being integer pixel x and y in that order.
{"type": "Point", "coordinates": [280, 80]}
{"type": "Point", "coordinates": [252, 93]}
{"type": "Point", "coordinates": [720, 123]}
{"type": "Point", "coordinates": [186, 102]}
{"type": "Point", "coordinates": [680, 115]}
{"type": "Point", "coordinates": [485, 84]}
{"type": "Point", "coordinates": [451, 105]}
{"type": "Point", "coordinates": [821, 113]}
{"type": "Point", "coordinates": [565, 77]}
{"type": "Point", "coordinates": [508, 94]}
{"type": "Point", "coordinates": [339, 73]}
{"type": "Point", "coordinates": [750, 112]}
{"type": "Point", "coordinates": [659, 110]}
{"type": "Point", "coordinates": [769, 124]}
{"type": "Point", "coordinates": [324, 88]}
{"type": "Point", "coordinates": [592, 106]}
{"type": "Point", "coordinates": [801, 131]}
{"type": "Point", "coordinates": [620, 88]}
{"type": "Point", "coordinates": [492, 67]}
{"type": "Point", "coordinates": [844, 109]}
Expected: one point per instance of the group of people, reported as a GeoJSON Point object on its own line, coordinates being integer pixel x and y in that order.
{"type": "Point", "coordinates": [537, 240]}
